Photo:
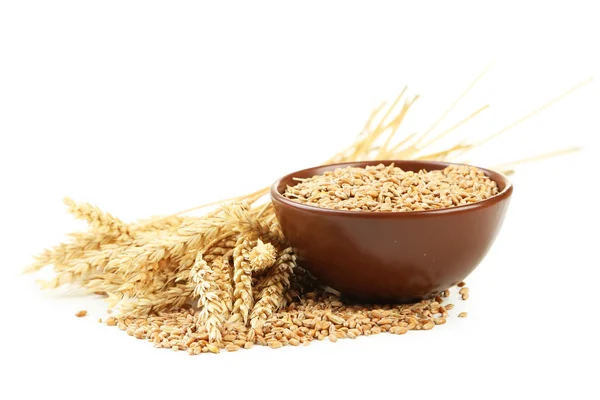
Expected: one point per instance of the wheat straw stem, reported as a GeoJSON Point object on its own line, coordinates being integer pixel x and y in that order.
{"type": "Point", "coordinates": [538, 157]}
{"type": "Point", "coordinates": [454, 127]}
{"type": "Point", "coordinates": [393, 152]}
{"type": "Point", "coordinates": [444, 153]}
{"type": "Point", "coordinates": [531, 114]}
{"type": "Point", "coordinates": [390, 109]}
{"type": "Point", "coordinates": [367, 127]}
{"type": "Point", "coordinates": [397, 120]}
{"type": "Point", "coordinates": [384, 152]}
{"type": "Point", "coordinates": [215, 241]}
{"type": "Point", "coordinates": [258, 194]}
{"type": "Point", "coordinates": [454, 104]}
{"type": "Point", "coordinates": [263, 209]}
{"type": "Point", "coordinates": [367, 142]}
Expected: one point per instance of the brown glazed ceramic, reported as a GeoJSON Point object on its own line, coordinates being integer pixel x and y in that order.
{"type": "Point", "coordinates": [390, 257]}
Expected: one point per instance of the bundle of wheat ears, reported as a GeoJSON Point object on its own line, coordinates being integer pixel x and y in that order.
{"type": "Point", "coordinates": [229, 279]}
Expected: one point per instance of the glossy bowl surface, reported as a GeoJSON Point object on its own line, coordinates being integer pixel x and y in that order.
{"type": "Point", "coordinates": [396, 256]}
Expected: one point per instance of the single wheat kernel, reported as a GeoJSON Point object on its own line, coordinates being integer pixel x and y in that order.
{"type": "Point", "coordinates": [212, 348]}
{"type": "Point", "coordinates": [232, 347]}
{"type": "Point", "coordinates": [462, 315]}
{"type": "Point", "coordinates": [460, 284]}
{"type": "Point", "coordinates": [401, 330]}
{"type": "Point", "coordinates": [81, 313]}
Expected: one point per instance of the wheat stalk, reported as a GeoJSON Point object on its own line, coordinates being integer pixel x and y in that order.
{"type": "Point", "coordinates": [207, 289]}
{"type": "Point", "coordinates": [99, 221]}
{"type": "Point", "coordinates": [242, 281]}
{"type": "Point", "coordinates": [272, 289]}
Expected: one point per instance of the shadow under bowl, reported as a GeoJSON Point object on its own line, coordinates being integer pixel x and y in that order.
{"type": "Point", "coordinates": [393, 257]}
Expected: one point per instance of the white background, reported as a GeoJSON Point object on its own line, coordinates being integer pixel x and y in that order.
{"type": "Point", "coordinates": [151, 107]}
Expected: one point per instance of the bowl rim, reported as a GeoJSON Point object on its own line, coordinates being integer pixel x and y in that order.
{"type": "Point", "coordinates": [494, 175]}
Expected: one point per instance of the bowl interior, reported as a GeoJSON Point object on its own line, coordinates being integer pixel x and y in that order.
{"type": "Point", "coordinates": [278, 188]}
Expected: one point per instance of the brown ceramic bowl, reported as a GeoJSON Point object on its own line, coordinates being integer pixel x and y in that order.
{"type": "Point", "coordinates": [390, 257]}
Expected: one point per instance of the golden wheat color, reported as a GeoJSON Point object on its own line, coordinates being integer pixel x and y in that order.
{"type": "Point", "coordinates": [228, 279]}
{"type": "Point", "coordinates": [386, 188]}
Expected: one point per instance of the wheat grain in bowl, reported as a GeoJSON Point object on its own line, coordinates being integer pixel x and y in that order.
{"type": "Point", "coordinates": [388, 188]}
{"type": "Point", "coordinates": [391, 257]}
